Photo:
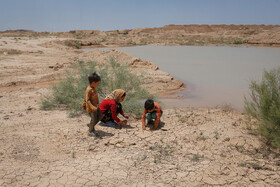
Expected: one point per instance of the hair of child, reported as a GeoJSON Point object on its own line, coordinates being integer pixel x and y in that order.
{"type": "Point", "coordinates": [149, 104]}
{"type": "Point", "coordinates": [94, 77]}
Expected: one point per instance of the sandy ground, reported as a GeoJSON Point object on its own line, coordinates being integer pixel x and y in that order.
{"type": "Point", "coordinates": [194, 146]}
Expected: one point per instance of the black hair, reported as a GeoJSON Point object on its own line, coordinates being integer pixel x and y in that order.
{"type": "Point", "coordinates": [94, 77]}
{"type": "Point", "coordinates": [149, 104]}
{"type": "Point", "coordinates": [124, 94]}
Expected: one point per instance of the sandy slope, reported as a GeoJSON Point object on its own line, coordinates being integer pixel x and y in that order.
{"type": "Point", "coordinates": [46, 148]}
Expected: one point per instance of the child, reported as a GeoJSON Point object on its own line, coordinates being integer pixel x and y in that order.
{"type": "Point", "coordinates": [111, 106]}
{"type": "Point", "coordinates": [152, 111]}
{"type": "Point", "coordinates": [91, 103]}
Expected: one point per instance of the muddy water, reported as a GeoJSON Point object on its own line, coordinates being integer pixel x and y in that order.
{"type": "Point", "coordinates": [214, 76]}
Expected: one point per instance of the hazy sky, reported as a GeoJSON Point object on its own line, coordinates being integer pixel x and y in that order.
{"type": "Point", "coordinates": [66, 15]}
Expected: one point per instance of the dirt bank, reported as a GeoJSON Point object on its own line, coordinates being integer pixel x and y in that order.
{"type": "Point", "coordinates": [229, 35]}
{"type": "Point", "coordinates": [39, 61]}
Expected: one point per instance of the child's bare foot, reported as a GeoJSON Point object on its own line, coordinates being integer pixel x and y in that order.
{"type": "Point", "coordinates": [93, 133]}
{"type": "Point", "coordinates": [118, 126]}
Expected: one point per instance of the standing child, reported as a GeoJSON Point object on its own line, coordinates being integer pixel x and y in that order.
{"type": "Point", "coordinates": [111, 106]}
{"type": "Point", "coordinates": [91, 103]}
{"type": "Point", "coordinates": [152, 111]}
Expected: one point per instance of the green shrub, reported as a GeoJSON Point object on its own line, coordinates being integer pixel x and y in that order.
{"type": "Point", "coordinates": [264, 106]}
{"type": "Point", "coordinates": [74, 44]}
{"type": "Point", "coordinates": [238, 41]}
{"type": "Point", "coordinates": [47, 104]}
{"type": "Point", "coordinates": [69, 93]}
{"type": "Point", "coordinates": [130, 42]}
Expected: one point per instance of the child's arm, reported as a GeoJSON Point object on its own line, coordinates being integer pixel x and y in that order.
{"type": "Point", "coordinates": [114, 112]}
{"type": "Point", "coordinates": [124, 115]}
{"type": "Point", "coordinates": [91, 106]}
{"type": "Point", "coordinates": [157, 121]}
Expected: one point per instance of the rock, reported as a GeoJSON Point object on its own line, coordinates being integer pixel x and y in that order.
{"type": "Point", "coordinates": [237, 142]}
{"type": "Point", "coordinates": [118, 145]}
{"type": "Point", "coordinates": [227, 139]}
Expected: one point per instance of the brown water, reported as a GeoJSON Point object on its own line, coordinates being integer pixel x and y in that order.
{"type": "Point", "coordinates": [214, 76]}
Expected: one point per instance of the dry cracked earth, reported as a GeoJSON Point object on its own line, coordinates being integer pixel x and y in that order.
{"type": "Point", "coordinates": [193, 147]}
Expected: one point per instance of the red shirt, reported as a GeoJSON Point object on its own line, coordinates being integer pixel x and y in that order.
{"type": "Point", "coordinates": [110, 104]}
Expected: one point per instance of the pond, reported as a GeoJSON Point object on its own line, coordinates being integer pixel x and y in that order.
{"type": "Point", "coordinates": [214, 75]}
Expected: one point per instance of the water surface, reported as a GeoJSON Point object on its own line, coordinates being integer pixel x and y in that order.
{"type": "Point", "coordinates": [214, 75]}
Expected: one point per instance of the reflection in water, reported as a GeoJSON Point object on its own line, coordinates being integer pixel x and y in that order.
{"type": "Point", "coordinates": [213, 75]}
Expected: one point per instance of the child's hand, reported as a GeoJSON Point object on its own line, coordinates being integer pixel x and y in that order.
{"type": "Point", "coordinates": [143, 126]}
{"type": "Point", "coordinates": [124, 122]}
{"type": "Point", "coordinates": [125, 116]}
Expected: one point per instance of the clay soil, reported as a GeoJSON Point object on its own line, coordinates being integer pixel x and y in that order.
{"type": "Point", "coordinates": [192, 147]}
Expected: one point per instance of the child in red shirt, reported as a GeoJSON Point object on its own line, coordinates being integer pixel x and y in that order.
{"type": "Point", "coordinates": [111, 106]}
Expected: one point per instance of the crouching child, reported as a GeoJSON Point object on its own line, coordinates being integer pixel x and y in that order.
{"type": "Point", "coordinates": [111, 106]}
{"type": "Point", "coordinates": [152, 112]}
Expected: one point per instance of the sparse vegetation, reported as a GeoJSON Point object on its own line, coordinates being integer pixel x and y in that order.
{"type": "Point", "coordinates": [216, 135]}
{"type": "Point", "coordinates": [10, 52]}
{"type": "Point", "coordinates": [238, 41]}
{"type": "Point", "coordinates": [253, 165]}
{"type": "Point", "coordinates": [77, 36]}
{"type": "Point", "coordinates": [74, 44]}
{"type": "Point", "coordinates": [201, 138]}
{"type": "Point", "coordinates": [239, 148]}
{"type": "Point", "coordinates": [161, 152]}
{"type": "Point", "coordinates": [264, 106]}
{"type": "Point", "coordinates": [47, 104]}
{"type": "Point", "coordinates": [196, 157]}
{"type": "Point", "coordinates": [73, 154]}
{"type": "Point", "coordinates": [69, 93]}
{"type": "Point", "coordinates": [225, 107]}
{"type": "Point", "coordinates": [130, 42]}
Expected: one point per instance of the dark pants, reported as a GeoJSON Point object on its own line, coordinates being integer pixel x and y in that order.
{"type": "Point", "coordinates": [108, 114]}
{"type": "Point", "coordinates": [95, 118]}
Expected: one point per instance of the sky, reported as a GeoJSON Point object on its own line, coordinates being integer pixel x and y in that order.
{"type": "Point", "coordinates": [66, 15]}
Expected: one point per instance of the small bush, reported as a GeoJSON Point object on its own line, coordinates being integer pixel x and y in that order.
{"type": "Point", "coordinates": [264, 106]}
{"type": "Point", "coordinates": [74, 44]}
{"type": "Point", "coordinates": [197, 157]}
{"type": "Point", "coordinates": [70, 92]}
{"type": "Point", "coordinates": [10, 52]}
{"type": "Point", "coordinates": [47, 104]}
{"type": "Point", "coordinates": [238, 41]}
{"type": "Point", "coordinates": [130, 42]}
